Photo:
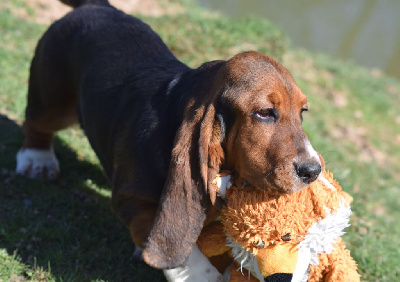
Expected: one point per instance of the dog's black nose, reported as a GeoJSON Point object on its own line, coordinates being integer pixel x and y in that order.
{"type": "Point", "coordinates": [279, 277]}
{"type": "Point", "coordinates": [308, 172]}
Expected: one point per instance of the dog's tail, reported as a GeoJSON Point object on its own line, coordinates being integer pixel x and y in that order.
{"type": "Point", "coordinates": [77, 3]}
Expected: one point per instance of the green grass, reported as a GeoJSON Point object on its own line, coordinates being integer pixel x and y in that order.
{"type": "Point", "coordinates": [196, 36]}
{"type": "Point", "coordinates": [65, 230]}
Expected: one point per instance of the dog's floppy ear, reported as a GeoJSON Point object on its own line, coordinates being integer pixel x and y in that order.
{"type": "Point", "coordinates": [211, 153]}
{"type": "Point", "coordinates": [195, 159]}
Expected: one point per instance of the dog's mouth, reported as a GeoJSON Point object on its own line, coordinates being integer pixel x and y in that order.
{"type": "Point", "coordinates": [274, 188]}
{"type": "Point", "coordinates": [279, 180]}
{"type": "Point", "coordinates": [290, 178]}
{"type": "Point", "coordinates": [273, 183]}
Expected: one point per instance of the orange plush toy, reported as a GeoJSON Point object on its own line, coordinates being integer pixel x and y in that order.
{"type": "Point", "coordinates": [293, 237]}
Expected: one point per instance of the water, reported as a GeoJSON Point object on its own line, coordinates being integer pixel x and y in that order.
{"type": "Point", "coordinates": [364, 31]}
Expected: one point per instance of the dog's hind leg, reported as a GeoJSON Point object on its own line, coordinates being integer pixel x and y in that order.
{"type": "Point", "coordinates": [51, 107]}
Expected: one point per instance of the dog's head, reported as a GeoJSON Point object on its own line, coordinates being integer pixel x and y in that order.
{"type": "Point", "coordinates": [243, 115]}
{"type": "Point", "coordinates": [265, 144]}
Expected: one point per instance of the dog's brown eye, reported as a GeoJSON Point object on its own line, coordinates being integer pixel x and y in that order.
{"type": "Point", "coordinates": [304, 109]}
{"type": "Point", "coordinates": [267, 115]}
{"type": "Point", "coordinates": [286, 237]}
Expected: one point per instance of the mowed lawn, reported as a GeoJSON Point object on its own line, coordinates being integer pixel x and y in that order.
{"type": "Point", "coordinates": [65, 230]}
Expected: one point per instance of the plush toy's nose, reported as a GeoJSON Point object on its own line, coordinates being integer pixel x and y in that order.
{"type": "Point", "coordinates": [279, 277]}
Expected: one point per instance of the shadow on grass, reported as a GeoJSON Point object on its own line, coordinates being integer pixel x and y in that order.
{"type": "Point", "coordinates": [66, 226]}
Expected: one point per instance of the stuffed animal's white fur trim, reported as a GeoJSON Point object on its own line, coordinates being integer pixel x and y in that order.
{"type": "Point", "coordinates": [245, 258]}
{"type": "Point", "coordinates": [223, 184]}
{"type": "Point", "coordinates": [320, 238]}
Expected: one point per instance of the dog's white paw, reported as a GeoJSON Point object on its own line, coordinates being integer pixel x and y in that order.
{"type": "Point", "coordinates": [197, 268]}
{"type": "Point", "coordinates": [35, 163]}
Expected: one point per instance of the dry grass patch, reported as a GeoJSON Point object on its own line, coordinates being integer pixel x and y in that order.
{"type": "Point", "coordinates": [47, 11]}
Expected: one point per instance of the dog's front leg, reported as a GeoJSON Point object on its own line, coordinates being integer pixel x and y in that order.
{"type": "Point", "coordinates": [197, 268]}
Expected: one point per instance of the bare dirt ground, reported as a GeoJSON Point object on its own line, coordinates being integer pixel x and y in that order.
{"type": "Point", "coordinates": [47, 11]}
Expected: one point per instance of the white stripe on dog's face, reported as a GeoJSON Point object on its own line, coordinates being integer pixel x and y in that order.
{"type": "Point", "coordinates": [310, 150]}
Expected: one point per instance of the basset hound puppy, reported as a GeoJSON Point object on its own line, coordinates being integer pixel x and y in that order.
{"type": "Point", "coordinates": [162, 130]}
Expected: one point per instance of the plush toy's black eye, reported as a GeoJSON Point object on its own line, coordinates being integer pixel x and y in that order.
{"type": "Point", "coordinates": [259, 244]}
{"type": "Point", "coordinates": [286, 237]}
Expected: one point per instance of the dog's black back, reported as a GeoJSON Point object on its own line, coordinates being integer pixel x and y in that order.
{"type": "Point", "coordinates": [121, 73]}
